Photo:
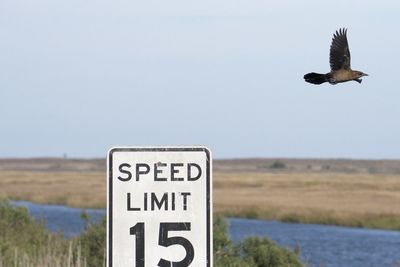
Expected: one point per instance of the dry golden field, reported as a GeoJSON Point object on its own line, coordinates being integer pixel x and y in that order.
{"type": "Point", "coordinates": [330, 198]}
{"type": "Point", "coordinates": [75, 189]}
{"type": "Point", "coordinates": [355, 193]}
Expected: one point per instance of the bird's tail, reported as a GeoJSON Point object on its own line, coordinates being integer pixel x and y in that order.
{"type": "Point", "coordinates": [315, 78]}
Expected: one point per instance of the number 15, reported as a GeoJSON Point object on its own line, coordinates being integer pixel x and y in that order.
{"type": "Point", "coordinates": [165, 241]}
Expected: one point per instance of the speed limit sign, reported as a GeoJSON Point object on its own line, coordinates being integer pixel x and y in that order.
{"type": "Point", "coordinates": [159, 207]}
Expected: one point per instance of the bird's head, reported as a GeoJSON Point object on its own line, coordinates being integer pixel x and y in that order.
{"type": "Point", "coordinates": [360, 74]}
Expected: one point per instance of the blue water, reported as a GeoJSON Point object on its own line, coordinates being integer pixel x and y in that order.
{"type": "Point", "coordinates": [320, 245]}
{"type": "Point", "coordinates": [328, 246]}
{"type": "Point", "coordinates": [60, 218]}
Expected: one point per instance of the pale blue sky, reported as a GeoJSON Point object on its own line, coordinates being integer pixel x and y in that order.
{"type": "Point", "coordinates": [79, 77]}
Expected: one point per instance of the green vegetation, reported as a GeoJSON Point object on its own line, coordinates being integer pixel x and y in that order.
{"type": "Point", "coordinates": [93, 241]}
{"type": "Point", "coordinates": [25, 242]}
{"type": "Point", "coordinates": [371, 221]}
{"type": "Point", "coordinates": [251, 252]}
{"type": "Point", "coordinates": [278, 165]}
{"type": "Point", "coordinates": [385, 221]}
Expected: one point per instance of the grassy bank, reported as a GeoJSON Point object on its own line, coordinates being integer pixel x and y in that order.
{"type": "Point", "coordinates": [356, 194]}
{"type": "Point", "coordinates": [372, 221]}
{"type": "Point", "coordinates": [349, 199]}
{"type": "Point", "coordinates": [24, 242]}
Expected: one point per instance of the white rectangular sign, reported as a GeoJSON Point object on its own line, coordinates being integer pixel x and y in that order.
{"type": "Point", "coordinates": [159, 207]}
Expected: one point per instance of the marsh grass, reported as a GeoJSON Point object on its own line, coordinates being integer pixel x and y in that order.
{"type": "Point", "coordinates": [74, 189]}
{"type": "Point", "coordinates": [24, 242]}
{"type": "Point", "coordinates": [357, 199]}
{"type": "Point", "coordinates": [48, 256]}
{"type": "Point", "coordinates": [350, 199]}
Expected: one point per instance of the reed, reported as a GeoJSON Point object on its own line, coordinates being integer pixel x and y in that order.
{"type": "Point", "coordinates": [53, 255]}
{"type": "Point", "coordinates": [25, 242]}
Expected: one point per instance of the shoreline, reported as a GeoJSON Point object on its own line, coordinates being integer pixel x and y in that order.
{"type": "Point", "coordinates": [373, 222]}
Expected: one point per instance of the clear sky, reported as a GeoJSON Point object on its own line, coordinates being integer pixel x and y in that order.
{"type": "Point", "coordinates": [79, 77]}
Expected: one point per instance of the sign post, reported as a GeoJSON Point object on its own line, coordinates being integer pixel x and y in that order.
{"type": "Point", "coordinates": [159, 207]}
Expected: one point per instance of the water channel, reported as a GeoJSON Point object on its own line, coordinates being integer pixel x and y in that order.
{"type": "Point", "coordinates": [320, 245]}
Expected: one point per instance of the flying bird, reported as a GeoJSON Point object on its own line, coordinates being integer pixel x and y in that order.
{"type": "Point", "coordinates": [339, 59]}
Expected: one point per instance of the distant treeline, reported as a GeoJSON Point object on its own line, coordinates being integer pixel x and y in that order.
{"type": "Point", "coordinates": [222, 165]}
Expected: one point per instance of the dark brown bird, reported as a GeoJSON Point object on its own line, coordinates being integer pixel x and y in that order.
{"type": "Point", "coordinates": [339, 60]}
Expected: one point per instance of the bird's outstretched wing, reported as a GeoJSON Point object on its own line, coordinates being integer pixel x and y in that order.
{"type": "Point", "coordinates": [339, 57]}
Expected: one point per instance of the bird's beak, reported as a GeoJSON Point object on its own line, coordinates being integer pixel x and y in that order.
{"type": "Point", "coordinates": [364, 74]}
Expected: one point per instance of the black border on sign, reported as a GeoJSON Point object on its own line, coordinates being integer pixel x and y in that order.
{"type": "Point", "coordinates": [158, 149]}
